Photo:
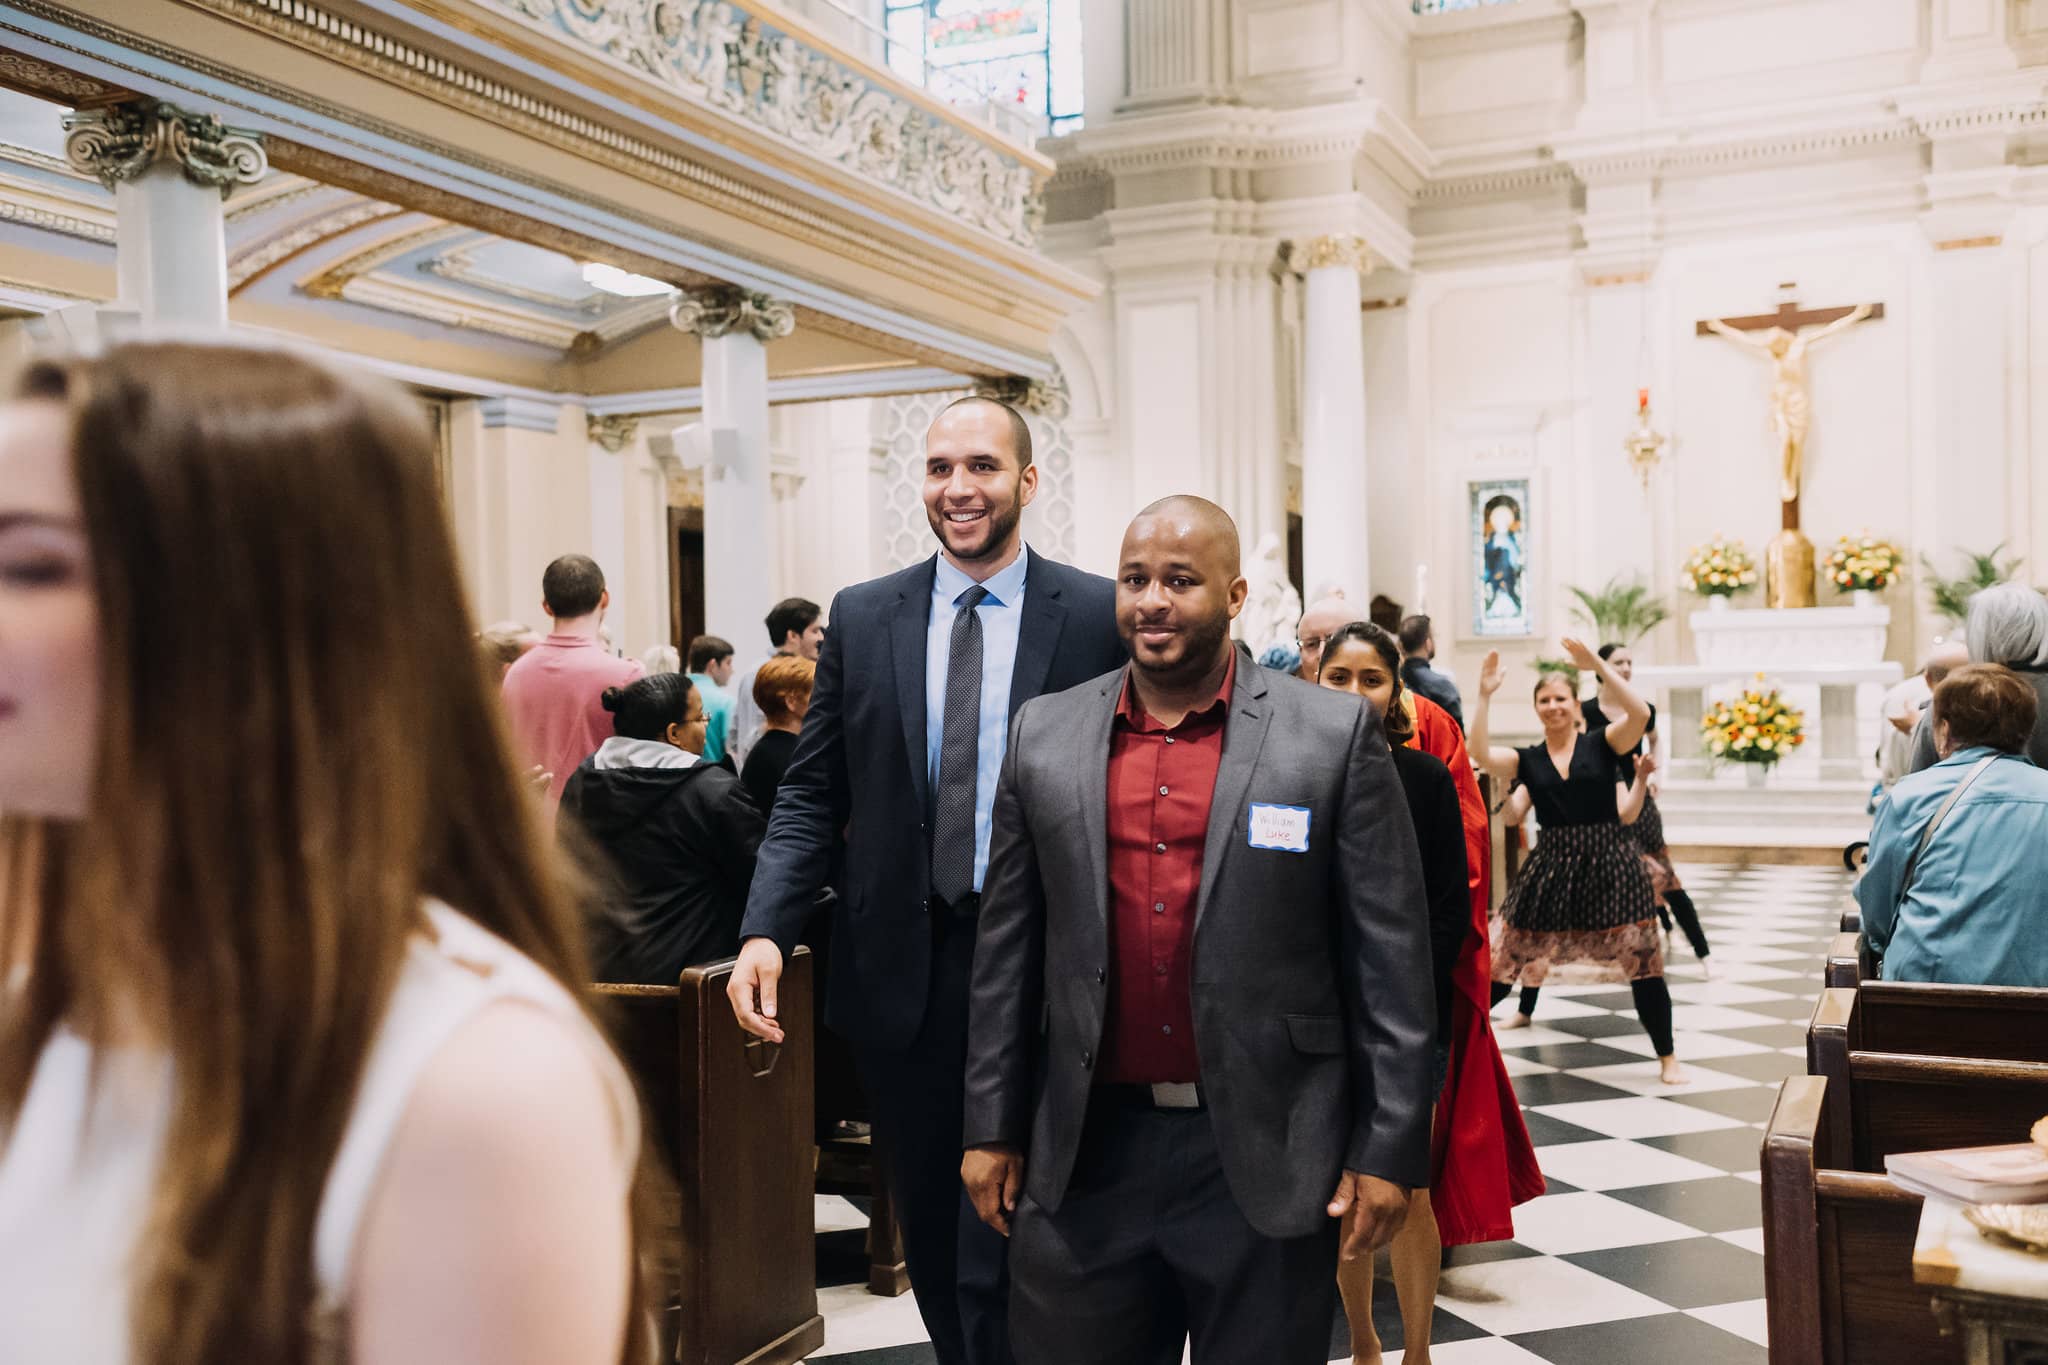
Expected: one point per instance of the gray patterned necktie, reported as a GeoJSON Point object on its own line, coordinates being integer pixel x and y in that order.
{"type": "Point", "coordinates": [959, 756]}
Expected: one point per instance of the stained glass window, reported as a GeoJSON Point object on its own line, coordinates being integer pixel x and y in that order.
{"type": "Point", "coordinates": [1441, 6]}
{"type": "Point", "coordinates": [1021, 56]}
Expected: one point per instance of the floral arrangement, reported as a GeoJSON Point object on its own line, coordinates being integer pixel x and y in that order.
{"type": "Point", "coordinates": [1720, 568]}
{"type": "Point", "coordinates": [1862, 564]}
{"type": "Point", "coordinates": [1757, 727]}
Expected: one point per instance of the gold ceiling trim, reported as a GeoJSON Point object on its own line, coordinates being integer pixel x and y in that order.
{"type": "Point", "coordinates": [329, 281]}
{"type": "Point", "coordinates": [259, 258]}
{"type": "Point", "coordinates": [274, 193]}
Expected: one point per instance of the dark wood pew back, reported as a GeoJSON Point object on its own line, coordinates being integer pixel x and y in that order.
{"type": "Point", "coordinates": [1999, 1023]}
{"type": "Point", "coordinates": [1838, 1250]}
{"type": "Point", "coordinates": [1845, 962]}
{"type": "Point", "coordinates": [1917, 1098]}
{"type": "Point", "coordinates": [732, 1117]}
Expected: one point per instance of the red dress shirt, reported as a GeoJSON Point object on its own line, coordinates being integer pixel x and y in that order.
{"type": "Point", "coordinates": [1161, 783]}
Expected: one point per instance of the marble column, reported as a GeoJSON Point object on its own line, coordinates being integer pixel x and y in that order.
{"type": "Point", "coordinates": [740, 559]}
{"type": "Point", "coordinates": [1334, 547]}
{"type": "Point", "coordinates": [170, 172]}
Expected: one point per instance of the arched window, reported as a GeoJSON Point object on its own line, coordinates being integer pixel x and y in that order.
{"type": "Point", "coordinates": [1015, 58]}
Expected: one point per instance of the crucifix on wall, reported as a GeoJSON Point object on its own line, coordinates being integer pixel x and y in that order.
{"type": "Point", "coordinates": [1783, 338]}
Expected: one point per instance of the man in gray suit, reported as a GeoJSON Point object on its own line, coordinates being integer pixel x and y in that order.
{"type": "Point", "coordinates": [1201, 1014]}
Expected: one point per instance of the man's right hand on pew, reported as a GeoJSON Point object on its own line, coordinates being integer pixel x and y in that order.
{"type": "Point", "coordinates": [752, 989]}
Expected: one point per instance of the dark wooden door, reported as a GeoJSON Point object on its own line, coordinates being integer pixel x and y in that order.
{"type": "Point", "coordinates": [686, 575]}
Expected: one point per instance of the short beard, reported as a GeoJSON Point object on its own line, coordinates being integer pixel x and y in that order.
{"type": "Point", "coordinates": [1204, 648]}
{"type": "Point", "coordinates": [1002, 524]}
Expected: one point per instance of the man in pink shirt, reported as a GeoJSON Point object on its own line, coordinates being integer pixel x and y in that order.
{"type": "Point", "coordinates": [553, 693]}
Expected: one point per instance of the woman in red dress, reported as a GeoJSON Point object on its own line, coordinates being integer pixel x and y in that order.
{"type": "Point", "coordinates": [1481, 1160]}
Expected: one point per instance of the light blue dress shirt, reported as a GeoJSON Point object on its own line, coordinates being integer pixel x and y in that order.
{"type": "Point", "coordinates": [1002, 618]}
{"type": "Point", "coordinates": [1977, 914]}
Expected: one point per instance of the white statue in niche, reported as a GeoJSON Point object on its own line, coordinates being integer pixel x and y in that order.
{"type": "Point", "coordinates": [1272, 608]}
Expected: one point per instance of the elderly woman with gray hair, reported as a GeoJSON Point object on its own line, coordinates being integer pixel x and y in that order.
{"type": "Point", "coordinates": [2007, 625]}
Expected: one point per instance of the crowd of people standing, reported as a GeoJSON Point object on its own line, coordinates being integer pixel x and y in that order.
{"type": "Point", "coordinates": [1168, 976]}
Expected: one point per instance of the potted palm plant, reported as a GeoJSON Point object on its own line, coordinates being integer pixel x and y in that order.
{"type": "Point", "coordinates": [1618, 611]}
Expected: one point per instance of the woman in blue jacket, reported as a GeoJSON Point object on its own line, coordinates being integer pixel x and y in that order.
{"type": "Point", "coordinates": [1974, 909]}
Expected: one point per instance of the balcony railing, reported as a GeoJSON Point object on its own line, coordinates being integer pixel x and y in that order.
{"type": "Point", "coordinates": [974, 163]}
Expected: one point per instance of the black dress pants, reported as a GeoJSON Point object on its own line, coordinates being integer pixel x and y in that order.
{"type": "Point", "coordinates": [917, 1098]}
{"type": "Point", "coordinates": [1149, 1250]}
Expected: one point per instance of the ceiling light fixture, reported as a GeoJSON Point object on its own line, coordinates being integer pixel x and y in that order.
{"type": "Point", "coordinates": [624, 283]}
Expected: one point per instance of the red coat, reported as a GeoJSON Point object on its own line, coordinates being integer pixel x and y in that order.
{"type": "Point", "coordinates": [1482, 1163]}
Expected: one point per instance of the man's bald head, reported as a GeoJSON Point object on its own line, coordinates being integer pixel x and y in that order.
{"type": "Point", "coordinates": [1196, 519]}
{"type": "Point", "coordinates": [1323, 619]}
{"type": "Point", "coordinates": [1178, 587]}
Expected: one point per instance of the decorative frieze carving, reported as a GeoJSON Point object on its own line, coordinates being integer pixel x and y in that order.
{"type": "Point", "coordinates": [121, 141]}
{"type": "Point", "coordinates": [716, 51]}
{"type": "Point", "coordinates": [614, 432]}
{"type": "Point", "coordinates": [1319, 253]}
{"type": "Point", "coordinates": [723, 309]}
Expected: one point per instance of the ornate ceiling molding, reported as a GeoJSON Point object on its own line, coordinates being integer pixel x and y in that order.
{"type": "Point", "coordinates": [459, 264]}
{"type": "Point", "coordinates": [119, 142]}
{"type": "Point", "coordinates": [735, 62]}
{"type": "Point", "coordinates": [252, 261]}
{"type": "Point", "coordinates": [274, 193]}
{"type": "Point", "coordinates": [424, 73]}
{"type": "Point", "coordinates": [313, 30]}
{"type": "Point", "coordinates": [330, 281]}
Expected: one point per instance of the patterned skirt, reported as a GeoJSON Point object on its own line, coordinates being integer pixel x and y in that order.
{"type": "Point", "coordinates": [1583, 900]}
{"type": "Point", "coordinates": [1648, 832]}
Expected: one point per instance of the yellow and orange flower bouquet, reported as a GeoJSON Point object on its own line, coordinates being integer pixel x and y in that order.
{"type": "Point", "coordinates": [1720, 568]}
{"type": "Point", "coordinates": [1862, 563]}
{"type": "Point", "coordinates": [1757, 726]}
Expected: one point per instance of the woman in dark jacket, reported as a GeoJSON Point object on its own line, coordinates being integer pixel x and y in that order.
{"type": "Point", "coordinates": [679, 835]}
{"type": "Point", "coordinates": [1363, 658]}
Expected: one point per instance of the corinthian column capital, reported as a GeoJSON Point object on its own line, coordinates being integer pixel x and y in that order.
{"type": "Point", "coordinates": [1337, 249]}
{"type": "Point", "coordinates": [614, 432]}
{"type": "Point", "coordinates": [121, 141]}
{"type": "Point", "coordinates": [1040, 398]}
{"type": "Point", "coordinates": [722, 309]}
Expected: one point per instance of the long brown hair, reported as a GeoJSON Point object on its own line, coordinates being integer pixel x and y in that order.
{"type": "Point", "coordinates": [296, 746]}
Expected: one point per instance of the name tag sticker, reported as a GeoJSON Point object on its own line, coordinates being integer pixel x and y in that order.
{"type": "Point", "coordinates": [1284, 828]}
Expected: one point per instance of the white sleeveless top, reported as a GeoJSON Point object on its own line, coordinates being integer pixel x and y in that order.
{"type": "Point", "coordinates": [79, 1168]}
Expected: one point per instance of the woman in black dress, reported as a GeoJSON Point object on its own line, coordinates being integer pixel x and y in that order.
{"type": "Point", "coordinates": [1583, 899]}
{"type": "Point", "coordinates": [1649, 826]}
{"type": "Point", "coordinates": [1364, 659]}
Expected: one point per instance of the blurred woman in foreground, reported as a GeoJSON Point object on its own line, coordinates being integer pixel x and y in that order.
{"type": "Point", "coordinates": [293, 1065]}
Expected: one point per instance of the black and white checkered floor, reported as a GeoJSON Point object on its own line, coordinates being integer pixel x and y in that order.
{"type": "Point", "coordinates": [1649, 1246]}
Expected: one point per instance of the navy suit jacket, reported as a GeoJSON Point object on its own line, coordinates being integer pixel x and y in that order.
{"type": "Point", "coordinates": [853, 811]}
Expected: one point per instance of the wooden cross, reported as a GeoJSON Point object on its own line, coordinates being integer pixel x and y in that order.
{"type": "Point", "coordinates": [1790, 316]}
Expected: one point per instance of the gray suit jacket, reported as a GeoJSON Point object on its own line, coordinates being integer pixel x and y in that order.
{"type": "Point", "coordinates": [1311, 971]}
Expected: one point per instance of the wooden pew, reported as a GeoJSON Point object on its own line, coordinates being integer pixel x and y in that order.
{"type": "Point", "coordinates": [1916, 1067]}
{"type": "Point", "coordinates": [732, 1117]}
{"type": "Point", "coordinates": [1838, 1250]}
{"type": "Point", "coordinates": [1845, 961]}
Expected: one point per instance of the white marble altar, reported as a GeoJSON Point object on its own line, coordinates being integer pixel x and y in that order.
{"type": "Point", "coordinates": [1829, 663]}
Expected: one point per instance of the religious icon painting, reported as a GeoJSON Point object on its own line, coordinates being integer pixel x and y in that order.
{"type": "Point", "coordinates": [1501, 602]}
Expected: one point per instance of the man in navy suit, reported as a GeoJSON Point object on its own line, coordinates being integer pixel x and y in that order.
{"type": "Point", "coordinates": [893, 783]}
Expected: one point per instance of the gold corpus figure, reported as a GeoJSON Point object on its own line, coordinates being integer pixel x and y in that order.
{"type": "Point", "coordinates": [1791, 408]}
